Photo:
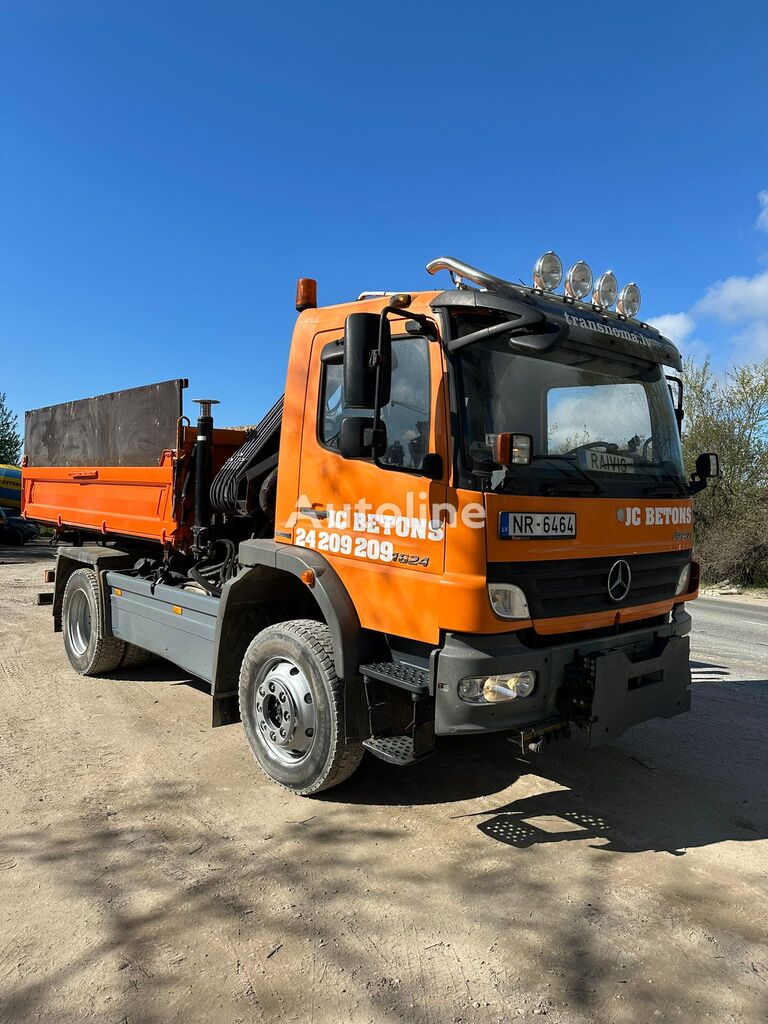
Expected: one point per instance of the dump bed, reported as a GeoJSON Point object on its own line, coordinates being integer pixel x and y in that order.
{"type": "Point", "coordinates": [117, 464]}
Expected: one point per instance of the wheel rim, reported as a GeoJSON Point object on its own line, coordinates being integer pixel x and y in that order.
{"type": "Point", "coordinates": [284, 711]}
{"type": "Point", "coordinates": [79, 623]}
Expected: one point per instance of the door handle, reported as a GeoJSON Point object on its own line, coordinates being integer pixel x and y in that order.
{"type": "Point", "coordinates": [315, 512]}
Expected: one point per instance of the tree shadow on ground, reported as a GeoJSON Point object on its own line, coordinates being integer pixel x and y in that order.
{"type": "Point", "coordinates": [178, 920]}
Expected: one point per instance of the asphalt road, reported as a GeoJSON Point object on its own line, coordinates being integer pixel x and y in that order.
{"type": "Point", "coordinates": [150, 875]}
{"type": "Point", "coordinates": [730, 635]}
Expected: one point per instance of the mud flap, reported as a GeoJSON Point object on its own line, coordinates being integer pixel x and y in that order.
{"type": "Point", "coordinates": [627, 693]}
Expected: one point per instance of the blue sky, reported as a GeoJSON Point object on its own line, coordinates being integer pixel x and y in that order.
{"type": "Point", "coordinates": [168, 170]}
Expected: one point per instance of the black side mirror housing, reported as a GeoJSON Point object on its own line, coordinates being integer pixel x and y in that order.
{"type": "Point", "coordinates": [432, 466]}
{"type": "Point", "coordinates": [367, 349]}
{"type": "Point", "coordinates": [707, 468]}
{"type": "Point", "coordinates": [359, 439]}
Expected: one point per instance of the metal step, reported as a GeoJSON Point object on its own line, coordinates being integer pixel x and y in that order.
{"type": "Point", "coordinates": [398, 673]}
{"type": "Point", "coordinates": [394, 749]}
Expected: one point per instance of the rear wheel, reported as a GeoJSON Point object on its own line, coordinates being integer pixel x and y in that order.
{"type": "Point", "coordinates": [90, 652]}
{"type": "Point", "coordinates": [135, 656]}
{"type": "Point", "coordinates": [292, 708]}
{"type": "Point", "coordinates": [13, 537]}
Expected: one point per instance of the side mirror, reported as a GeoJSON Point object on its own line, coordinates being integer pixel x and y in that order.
{"type": "Point", "coordinates": [367, 349]}
{"type": "Point", "coordinates": [358, 439]}
{"type": "Point", "coordinates": [432, 466]}
{"type": "Point", "coordinates": [707, 466]}
{"type": "Point", "coordinates": [512, 449]}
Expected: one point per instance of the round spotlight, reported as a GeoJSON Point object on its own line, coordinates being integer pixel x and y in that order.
{"type": "Point", "coordinates": [629, 300]}
{"type": "Point", "coordinates": [606, 290]}
{"type": "Point", "coordinates": [578, 280]}
{"type": "Point", "coordinates": [547, 272]}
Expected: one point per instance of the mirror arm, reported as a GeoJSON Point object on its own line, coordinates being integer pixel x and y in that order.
{"type": "Point", "coordinates": [679, 411]}
{"type": "Point", "coordinates": [405, 315]}
{"type": "Point", "coordinates": [696, 485]}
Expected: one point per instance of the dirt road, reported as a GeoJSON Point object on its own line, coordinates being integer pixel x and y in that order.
{"type": "Point", "coordinates": [149, 873]}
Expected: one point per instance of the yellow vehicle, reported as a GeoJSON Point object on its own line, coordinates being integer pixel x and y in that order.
{"type": "Point", "coordinates": [10, 488]}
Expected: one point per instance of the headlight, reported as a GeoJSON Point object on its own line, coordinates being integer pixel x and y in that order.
{"type": "Point", "coordinates": [497, 689]}
{"type": "Point", "coordinates": [606, 290]}
{"type": "Point", "coordinates": [548, 272]}
{"type": "Point", "coordinates": [508, 601]}
{"type": "Point", "coordinates": [578, 280]}
{"type": "Point", "coordinates": [683, 580]}
{"type": "Point", "coordinates": [629, 300]}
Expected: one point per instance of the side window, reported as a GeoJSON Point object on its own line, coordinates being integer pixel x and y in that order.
{"type": "Point", "coordinates": [331, 407]}
{"type": "Point", "coordinates": [406, 416]}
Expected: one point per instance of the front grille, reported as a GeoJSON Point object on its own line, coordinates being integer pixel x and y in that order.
{"type": "Point", "coordinates": [578, 586]}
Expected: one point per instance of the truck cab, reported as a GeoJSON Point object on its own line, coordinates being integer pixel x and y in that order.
{"type": "Point", "coordinates": [473, 517]}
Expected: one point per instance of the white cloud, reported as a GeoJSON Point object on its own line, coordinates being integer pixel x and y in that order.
{"type": "Point", "coordinates": [751, 345]}
{"type": "Point", "coordinates": [739, 299]}
{"type": "Point", "coordinates": [678, 327]}
{"type": "Point", "coordinates": [736, 299]}
{"type": "Point", "coordinates": [762, 218]}
{"type": "Point", "coordinates": [612, 412]}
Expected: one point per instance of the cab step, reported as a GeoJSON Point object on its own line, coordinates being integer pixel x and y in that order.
{"type": "Point", "coordinates": [398, 673]}
{"type": "Point", "coordinates": [394, 750]}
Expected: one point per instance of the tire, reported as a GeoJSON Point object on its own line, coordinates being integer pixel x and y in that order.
{"type": "Point", "coordinates": [13, 538]}
{"type": "Point", "coordinates": [135, 656]}
{"type": "Point", "coordinates": [288, 678]}
{"type": "Point", "coordinates": [89, 651]}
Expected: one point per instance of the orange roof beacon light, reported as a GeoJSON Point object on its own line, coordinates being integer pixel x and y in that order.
{"type": "Point", "coordinates": [306, 294]}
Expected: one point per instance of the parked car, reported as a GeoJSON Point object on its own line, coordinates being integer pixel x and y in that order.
{"type": "Point", "coordinates": [14, 530]}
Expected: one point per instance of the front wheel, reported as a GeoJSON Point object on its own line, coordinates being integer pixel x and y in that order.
{"type": "Point", "coordinates": [292, 708]}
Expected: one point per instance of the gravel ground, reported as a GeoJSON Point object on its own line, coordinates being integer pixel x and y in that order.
{"type": "Point", "coordinates": [149, 873]}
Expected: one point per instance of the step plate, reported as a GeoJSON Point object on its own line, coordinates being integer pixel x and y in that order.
{"type": "Point", "coordinates": [409, 677]}
{"type": "Point", "coordinates": [393, 749]}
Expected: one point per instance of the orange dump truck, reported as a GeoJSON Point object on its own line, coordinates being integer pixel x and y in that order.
{"type": "Point", "coordinates": [467, 514]}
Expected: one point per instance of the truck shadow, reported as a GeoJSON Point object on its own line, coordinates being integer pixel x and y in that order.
{"type": "Point", "coordinates": [668, 785]}
{"type": "Point", "coordinates": [24, 554]}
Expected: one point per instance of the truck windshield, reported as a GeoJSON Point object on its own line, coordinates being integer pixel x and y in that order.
{"type": "Point", "coordinates": [598, 426]}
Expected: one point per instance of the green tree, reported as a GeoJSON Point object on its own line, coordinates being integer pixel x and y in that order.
{"type": "Point", "coordinates": [10, 439]}
{"type": "Point", "coordinates": [729, 415]}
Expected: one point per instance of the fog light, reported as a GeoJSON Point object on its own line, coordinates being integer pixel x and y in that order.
{"type": "Point", "coordinates": [629, 300]}
{"type": "Point", "coordinates": [606, 290]}
{"type": "Point", "coordinates": [578, 280]}
{"type": "Point", "coordinates": [683, 580]}
{"type": "Point", "coordinates": [471, 689]}
{"type": "Point", "coordinates": [508, 601]}
{"type": "Point", "coordinates": [497, 689]}
{"type": "Point", "coordinates": [548, 272]}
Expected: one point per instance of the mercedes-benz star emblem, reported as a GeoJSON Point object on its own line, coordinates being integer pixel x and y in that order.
{"type": "Point", "coordinates": [619, 580]}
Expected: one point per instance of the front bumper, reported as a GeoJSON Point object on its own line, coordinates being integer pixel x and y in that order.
{"type": "Point", "coordinates": [602, 686]}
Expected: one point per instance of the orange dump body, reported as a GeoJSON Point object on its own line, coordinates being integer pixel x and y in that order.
{"type": "Point", "coordinates": [146, 502]}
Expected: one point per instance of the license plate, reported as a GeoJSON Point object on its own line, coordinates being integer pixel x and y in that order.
{"type": "Point", "coordinates": [517, 525]}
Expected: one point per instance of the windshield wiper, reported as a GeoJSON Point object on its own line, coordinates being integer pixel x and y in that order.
{"type": "Point", "coordinates": [666, 475]}
{"type": "Point", "coordinates": [569, 462]}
